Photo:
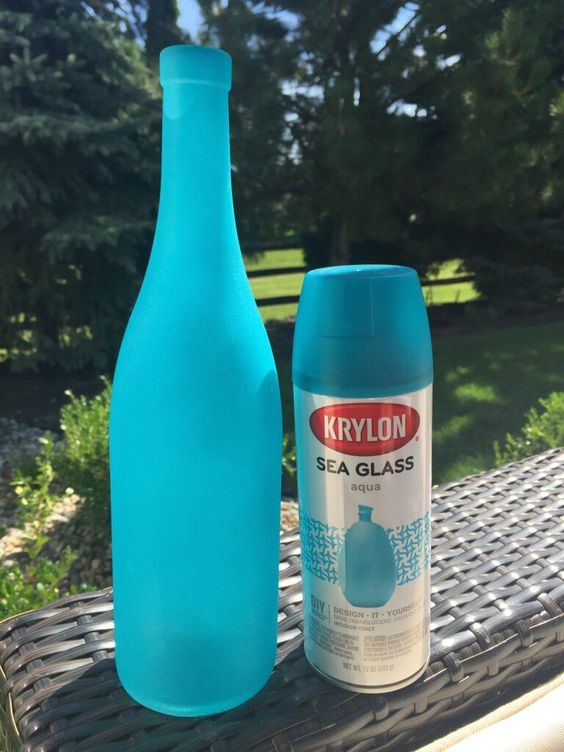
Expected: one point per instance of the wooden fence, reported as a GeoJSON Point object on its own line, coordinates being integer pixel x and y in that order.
{"type": "Point", "coordinates": [284, 246]}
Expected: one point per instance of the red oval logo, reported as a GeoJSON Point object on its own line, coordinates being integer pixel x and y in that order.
{"type": "Point", "coordinates": [365, 428]}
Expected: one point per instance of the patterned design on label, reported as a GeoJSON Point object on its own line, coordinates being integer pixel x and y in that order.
{"type": "Point", "coordinates": [321, 544]}
{"type": "Point", "coordinates": [411, 544]}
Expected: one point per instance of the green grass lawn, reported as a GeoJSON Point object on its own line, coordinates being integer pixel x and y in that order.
{"type": "Point", "coordinates": [290, 284]}
{"type": "Point", "coordinates": [283, 284]}
{"type": "Point", "coordinates": [276, 259]}
{"type": "Point", "coordinates": [484, 383]}
{"type": "Point", "coordinates": [455, 293]}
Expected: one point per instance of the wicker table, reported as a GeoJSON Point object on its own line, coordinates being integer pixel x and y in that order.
{"type": "Point", "coordinates": [497, 620]}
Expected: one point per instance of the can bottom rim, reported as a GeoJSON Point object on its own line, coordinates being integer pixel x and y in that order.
{"type": "Point", "coordinates": [364, 689]}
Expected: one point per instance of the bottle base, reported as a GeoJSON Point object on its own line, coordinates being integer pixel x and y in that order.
{"type": "Point", "coordinates": [192, 711]}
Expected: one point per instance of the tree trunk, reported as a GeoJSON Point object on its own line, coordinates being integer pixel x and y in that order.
{"type": "Point", "coordinates": [339, 248]}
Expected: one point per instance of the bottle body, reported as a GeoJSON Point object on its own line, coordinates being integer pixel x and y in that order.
{"type": "Point", "coordinates": [195, 443]}
{"type": "Point", "coordinates": [366, 566]}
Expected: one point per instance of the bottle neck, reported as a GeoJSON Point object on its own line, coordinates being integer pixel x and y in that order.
{"type": "Point", "coordinates": [364, 513]}
{"type": "Point", "coordinates": [196, 205]}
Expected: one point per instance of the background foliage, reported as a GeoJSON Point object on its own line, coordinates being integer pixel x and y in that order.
{"type": "Point", "coordinates": [391, 131]}
{"type": "Point", "coordinates": [543, 429]}
{"type": "Point", "coordinates": [77, 463]}
{"type": "Point", "coordinates": [78, 180]}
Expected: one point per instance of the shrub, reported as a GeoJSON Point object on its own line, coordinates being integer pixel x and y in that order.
{"type": "Point", "coordinates": [514, 287]}
{"type": "Point", "coordinates": [33, 480]}
{"type": "Point", "coordinates": [82, 461]}
{"type": "Point", "coordinates": [542, 430]}
{"type": "Point", "coordinates": [78, 462]}
{"type": "Point", "coordinates": [33, 584]}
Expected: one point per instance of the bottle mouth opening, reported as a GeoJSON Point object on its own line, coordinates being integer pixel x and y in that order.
{"type": "Point", "coordinates": [195, 64]}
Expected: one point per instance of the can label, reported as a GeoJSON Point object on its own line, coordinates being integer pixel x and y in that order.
{"type": "Point", "coordinates": [364, 479]}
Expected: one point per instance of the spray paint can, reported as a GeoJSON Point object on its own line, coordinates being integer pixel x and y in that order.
{"type": "Point", "coordinates": [362, 373]}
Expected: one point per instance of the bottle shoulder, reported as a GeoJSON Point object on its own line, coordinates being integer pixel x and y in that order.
{"type": "Point", "coordinates": [196, 310]}
{"type": "Point", "coordinates": [210, 348]}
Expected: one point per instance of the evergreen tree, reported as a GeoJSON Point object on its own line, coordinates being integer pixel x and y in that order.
{"type": "Point", "coordinates": [161, 27]}
{"type": "Point", "coordinates": [488, 81]}
{"type": "Point", "coordinates": [350, 141]}
{"type": "Point", "coordinates": [77, 180]}
{"type": "Point", "coordinates": [430, 130]}
{"type": "Point", "coordinates": [263, 173]}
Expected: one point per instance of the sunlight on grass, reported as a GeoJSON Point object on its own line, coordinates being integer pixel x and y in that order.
{"type": "Point", "coordinates": [456, 373]}
{"type": "Point", "coordinates": [452, 428]}
{"type": "Point", "coordinates": [447, 270]}
{"type": "Point", "coordinates": [276, 259]}
{"type": "Point", "coordinates": [476, 393]}
{"type": "Point", "coordinates": [268, 287]}
{"type": "Point", "coordinates": [461, 292]}
{"type": "Point", "coordinates": [290, 284]}
{"type": "Point", "coordinates": [493, 378]}
{"type": "Point", "coordinates": [278, 312]}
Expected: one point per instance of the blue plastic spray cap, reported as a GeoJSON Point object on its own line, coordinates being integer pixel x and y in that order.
{"type": "Point", "coordinates": [362, 331]}
{"type": "Point", "coordinates": [191, 63]}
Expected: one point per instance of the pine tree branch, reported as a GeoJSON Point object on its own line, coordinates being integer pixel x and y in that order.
{"type": "Point", "coordinates": [397, 35]}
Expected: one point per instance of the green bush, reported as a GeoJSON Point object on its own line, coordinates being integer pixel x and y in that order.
{"type": "Point", "coordinates": [35, 583]}
{"type": "Point", "coordinates": [77, 463]}
{"type": "Point", "coordinates": [82, 461]}
{"type": "Point", "coordinates": [33, 480]}
{"type": "Point", "coordinates": [514, 287]}
{"type": "Point", "coordinates": [542, 430]}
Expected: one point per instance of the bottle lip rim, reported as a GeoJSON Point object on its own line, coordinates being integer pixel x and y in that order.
{"type": "Point", "coordinates": [195, 64]}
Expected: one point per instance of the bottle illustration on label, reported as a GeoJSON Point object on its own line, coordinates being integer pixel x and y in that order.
{"type": "Point", "coordinates": [366, 564]}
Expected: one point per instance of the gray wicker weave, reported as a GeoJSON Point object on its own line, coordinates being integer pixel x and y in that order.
{"type": "Point", "coordinates": [497, 619]}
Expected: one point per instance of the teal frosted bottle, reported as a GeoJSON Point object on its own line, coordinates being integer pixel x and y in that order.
{"type": "Point", "coordinates": [195, 431]}
{"type": "Point", "coordinates": [367, 569]}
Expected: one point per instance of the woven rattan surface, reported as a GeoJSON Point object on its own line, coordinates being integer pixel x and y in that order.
{"type": "Point", "coordinates": [497, 618]}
